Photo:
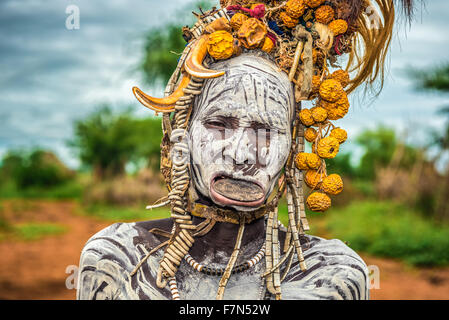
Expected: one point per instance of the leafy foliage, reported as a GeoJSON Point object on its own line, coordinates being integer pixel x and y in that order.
{"type": "Point", "coordinates": [37, 168]}
{"type": "Point", "coordinates": [391, 230]}
{"type": "Point", "coordinates": [108, 141]}
{"type": "Point", "coordinates": [164, 44]}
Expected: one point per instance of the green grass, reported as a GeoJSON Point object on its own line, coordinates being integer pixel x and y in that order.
{"type": "Point", "coordinates": [390, 230]}
{"type": "Point", "coordinates": [117, 213]}
{"type": "Point", "coordinates": [32, 231]}
{"type": "Point", "coordinates": [69, 190]}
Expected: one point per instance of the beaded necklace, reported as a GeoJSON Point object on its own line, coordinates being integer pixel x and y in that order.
{"type": "Point", "coordinates": [214, 271]}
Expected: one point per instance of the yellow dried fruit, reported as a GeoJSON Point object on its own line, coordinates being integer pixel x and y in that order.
{"type": "Point", "coordinates": [319, 114]}
{"type": "Point", "coordinates": [339, 109]}
{"type": "Point", "coordinates": [268, 45]}
{"type": "Point", "coordinates": [313, 3]}
{"type": "Point", "coordinates": [318, 202]}
{"type": "Point", "coordinates": [340, 134]}
{"type": "Point", "coordinates": [313, 161]}
{"type": "Point", "coordinates": [313, 179]}
{"type": "Point", "coordinates": [324, 14]}
{"type": "Point", "coordinates": [306, 117]}
{"type": "Point", "coordinates": [338, 26]}
{"type": "Point", "coordinates": [252, 33]}
{"type": "Point", "coordinates": [288, 21]}
{"type": "Point", "coordinates": [301, 161]}
{"type": "Point", "coordinates": [328, 147]}
{"type": "Point", "coordinates": [220, 45]}
{"type": "Point", "coordinates": [310, 134]}
{"type": "Point", "coordinates": [316, 82]}
{"type": "Point", "coordinates": [331, 90]}
{"type": "Point", "coordinates": [237, 20]}
{"type": "Point", "coordinates": [341, 76]}
{"type": "Point", "coordinates": [295, 8]}
{"type": "Point", "coordinates": [332, 184]}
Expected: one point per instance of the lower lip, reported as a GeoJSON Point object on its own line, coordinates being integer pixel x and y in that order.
{"type": "Point", "coordinates": [222, 200]}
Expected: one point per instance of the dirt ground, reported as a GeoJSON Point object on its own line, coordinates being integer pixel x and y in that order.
{"type": "Point", "coordinates": [37, 269]}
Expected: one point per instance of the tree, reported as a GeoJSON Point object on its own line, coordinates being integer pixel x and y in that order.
{"type": "Point", "coordinates": [106, 142]}
{"type": "Point", "coordinates": [437, 80]}
{"type": "Point", "coordinates": [164, 44]}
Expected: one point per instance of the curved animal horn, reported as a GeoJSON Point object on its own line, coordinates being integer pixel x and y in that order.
{"type": "Point", "coordinates": [194, 62]}
{"type": "Point", "coordinates": [163, 104]}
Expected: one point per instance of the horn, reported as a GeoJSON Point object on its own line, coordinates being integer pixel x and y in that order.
{"type": "Point", "coordinates": [194, 62]}
{"type": "Point", "coordinates": [163, 104]}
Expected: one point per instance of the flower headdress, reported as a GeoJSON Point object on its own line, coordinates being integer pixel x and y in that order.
{"type": "Point", "coordinates": [306, 39]}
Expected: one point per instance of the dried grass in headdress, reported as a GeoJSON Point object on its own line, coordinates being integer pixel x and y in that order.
{"type": "Point", "coordinates": [370, 45]}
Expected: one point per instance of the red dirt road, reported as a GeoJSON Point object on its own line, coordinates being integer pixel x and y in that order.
{"type": "Point", "coordinates": [37, 269]}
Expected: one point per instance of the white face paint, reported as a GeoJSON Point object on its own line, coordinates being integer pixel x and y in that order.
{"type": "Point", "coordinates": [240, 134]}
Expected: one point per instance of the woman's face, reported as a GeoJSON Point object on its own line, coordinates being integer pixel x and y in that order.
{"type": "Point", "coordinates": [240, 134]}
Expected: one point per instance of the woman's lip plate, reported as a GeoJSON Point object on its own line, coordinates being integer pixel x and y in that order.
{"type": "Point", "coordinates": [223, 200]}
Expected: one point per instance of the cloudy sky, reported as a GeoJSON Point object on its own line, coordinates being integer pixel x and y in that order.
{"type": "Point", "coordinates": [50, 76]}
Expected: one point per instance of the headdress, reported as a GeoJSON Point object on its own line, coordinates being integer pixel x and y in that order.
{"type": "Point", "coordinates": [306, 39]}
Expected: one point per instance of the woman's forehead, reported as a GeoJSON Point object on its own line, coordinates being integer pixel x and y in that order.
{"type": "Point", "coordinates": [250, 86]}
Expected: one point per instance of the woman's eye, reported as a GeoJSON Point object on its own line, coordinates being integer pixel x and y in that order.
{"type": "Point", "coordinates": [215, 124]}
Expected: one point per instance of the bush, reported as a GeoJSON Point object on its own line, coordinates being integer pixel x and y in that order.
{"type": "Point", "coordinates": [391, 230]}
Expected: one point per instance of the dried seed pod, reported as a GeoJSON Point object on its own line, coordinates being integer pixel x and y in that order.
{"type": "Point", "coordinates": [324, 14]}
{"type": "Point", "coordinates": [252, 33]}
{"type": "Point", "coordinates": [339, 109]}
{"type": "Point", "coordinates": [306, 117]}
{"type": "Point", "coordinates": [288, 21]}
{"type": "Point", "coordinates": [268, 45]}
{"type": "Point", "coordinates": [295, 8]}
{"type": "Point", "coordinates": [301, 161]}
{"type": "Point", "coordinates": [319, 114]}
{"type": "Point", "coordinates": [313, 3]}
{"type": "Point", "coordinates": [340, 134]}
{"type": "Point", "coordinates": [328, 147]}
{"type": "Point", "coordinates": [237, 20]}
{"type": "Point", "coordinates": [310, 134]}
{"type": "Point", "coordinates": [341, 76]}
{"type": "Point", "coordinates": [313, 179]}
{"type": "Point", "coordinates": [317, 56]}
{"type": "Point", "coordinates": [220, 45]}
{"type": "Point", "coordinates": [221, 24]}
{"type": "Point", "coordinates": [313, 161]}
{"type": "Point", "coordinates": [338, 26]}
{"type": "Point", "coordinates": [332, 184]}
{"type": "Point", "coordinates": [331, 90]}
{"type": "Point", "coordinates": [318, 202]}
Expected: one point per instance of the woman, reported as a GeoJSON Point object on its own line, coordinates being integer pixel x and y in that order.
{"type": "Point", "coordinates": [234, 147]}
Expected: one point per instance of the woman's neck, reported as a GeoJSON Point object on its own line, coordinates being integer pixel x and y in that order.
{"type": "Point", "coordinates": [218, 244]}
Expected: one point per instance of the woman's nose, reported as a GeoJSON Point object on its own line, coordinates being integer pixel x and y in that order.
{"type": "Point", "coordinates": [241, 146]}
